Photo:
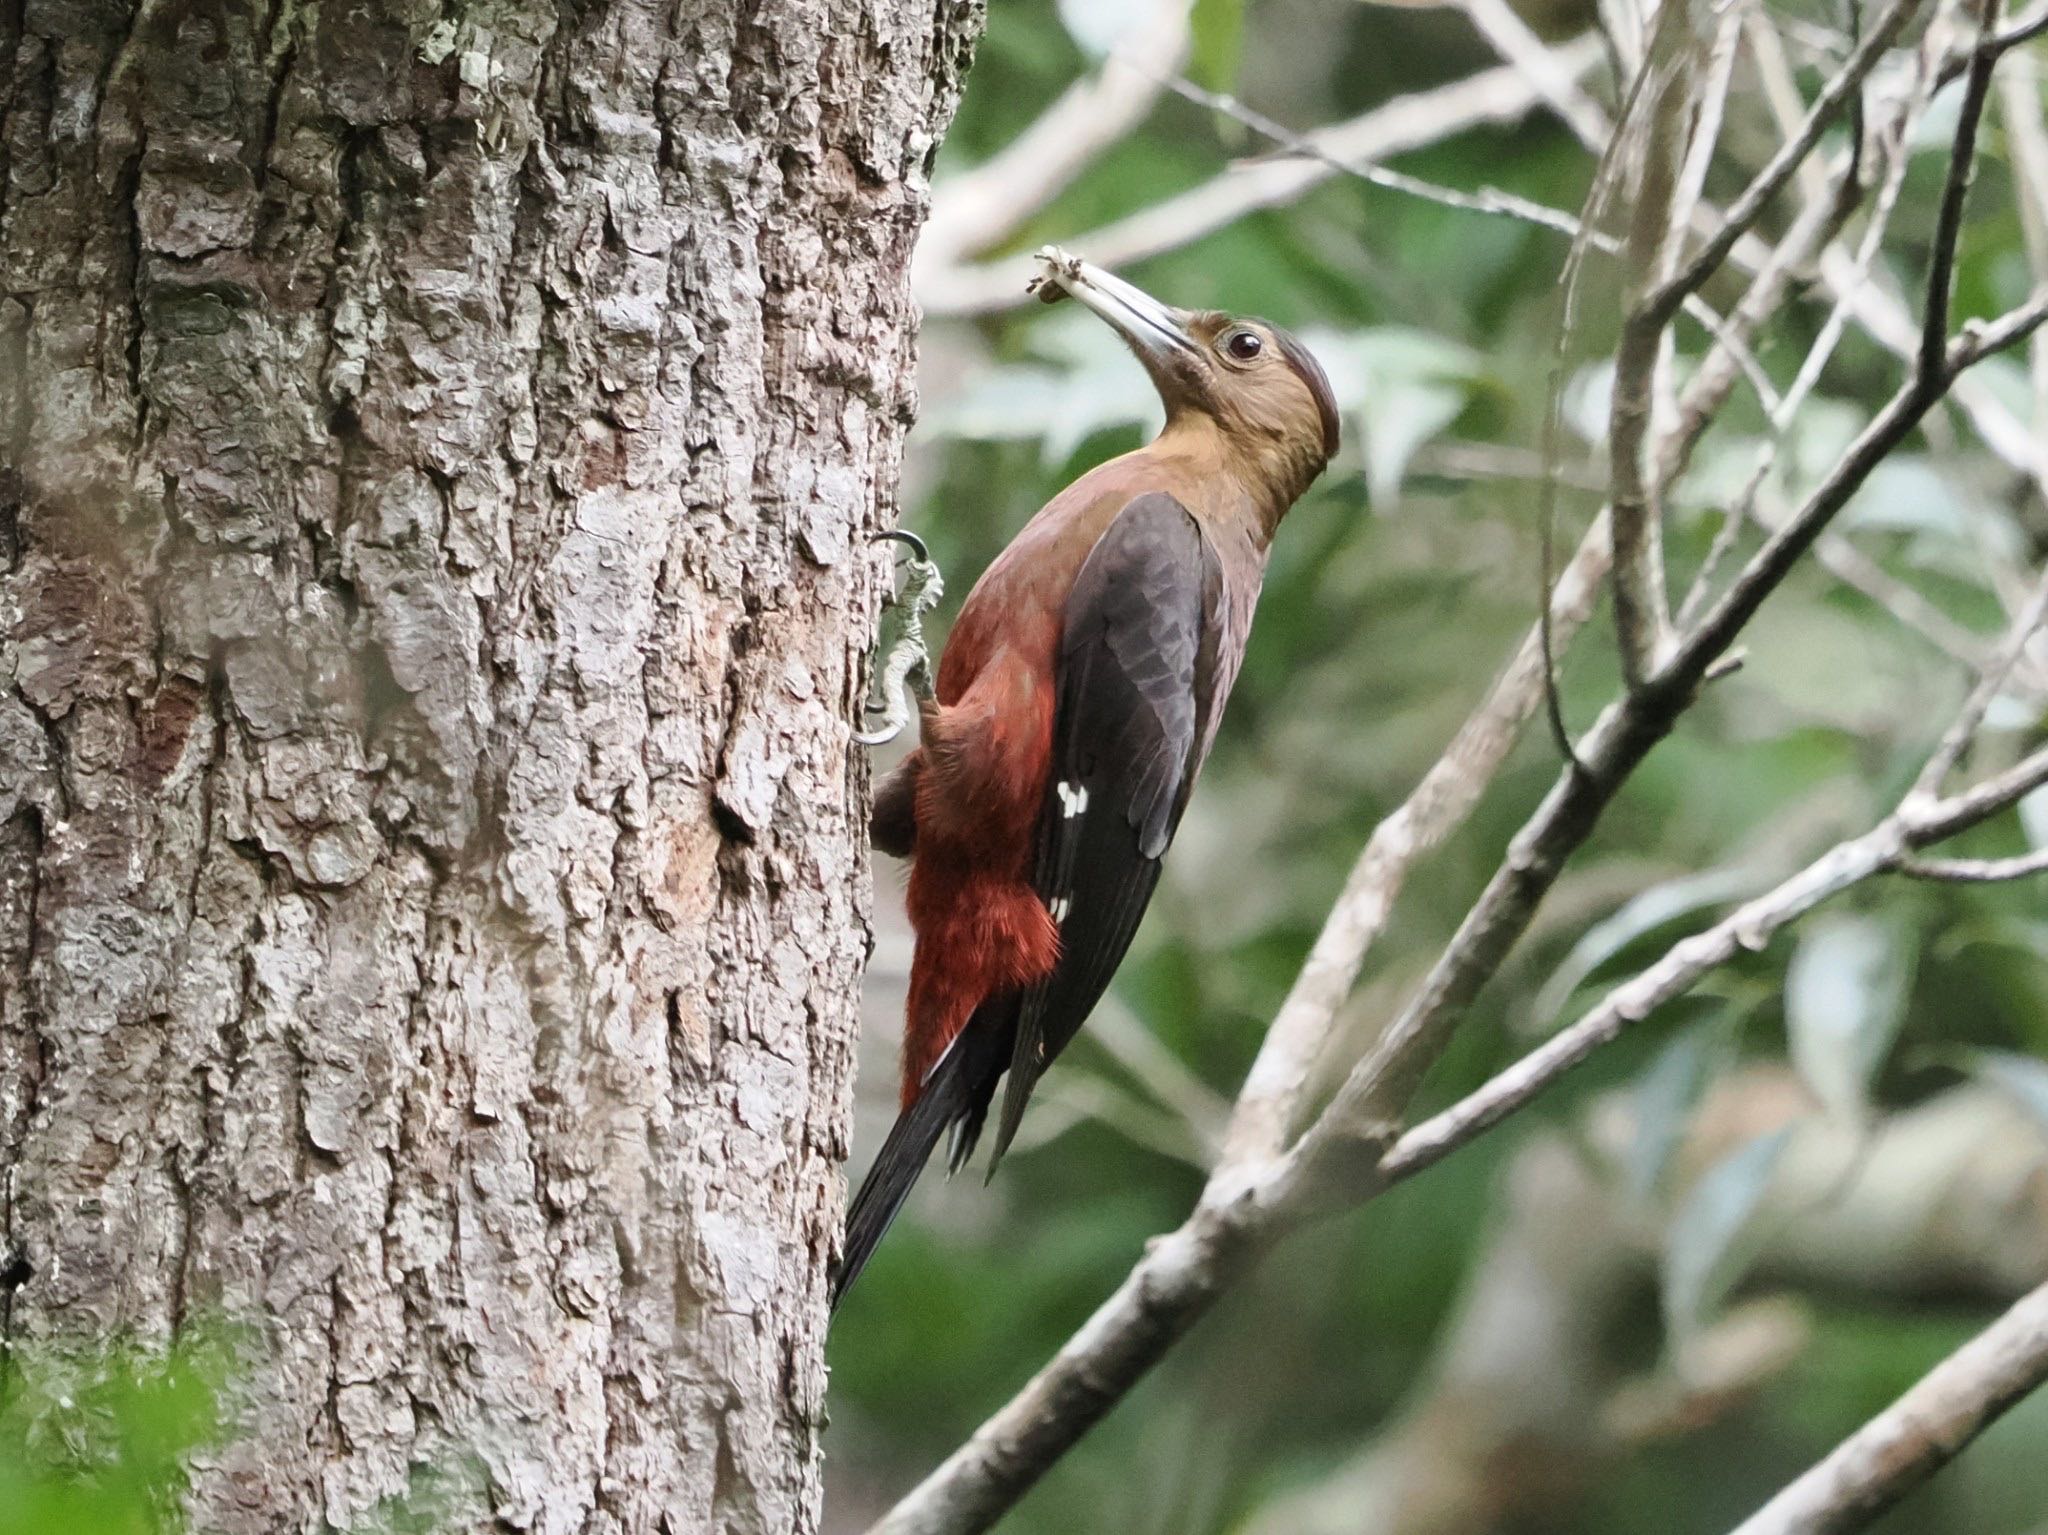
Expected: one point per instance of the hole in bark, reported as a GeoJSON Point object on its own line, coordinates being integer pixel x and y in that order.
{"type": "Point", "coordinates": [10, 520]}
{"type": "Point", "coordinates": [17, 1272]}
{"type": "Point", "coordinates": [729, 824]}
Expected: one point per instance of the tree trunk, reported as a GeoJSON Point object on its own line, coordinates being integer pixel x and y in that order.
{"type": "Point", "coordinates": [436, 447]}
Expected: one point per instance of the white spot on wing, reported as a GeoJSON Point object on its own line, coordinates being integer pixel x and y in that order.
{"type": "Point", "coordinates": [1073, 798]}
{"type": "Point", "coordinates": [932, 1070]}
{"type": "Point", "coordinates": [1060, 908]}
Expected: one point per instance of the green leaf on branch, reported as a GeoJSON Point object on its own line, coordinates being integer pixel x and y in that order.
{"type": "Point", "coordinates": [1717, 1233]}
{"type": "Point", "coordinates": [1845, 997]}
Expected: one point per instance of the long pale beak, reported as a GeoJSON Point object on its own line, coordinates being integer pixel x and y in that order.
{"type": "Point", "coordinates": [1156, 330]}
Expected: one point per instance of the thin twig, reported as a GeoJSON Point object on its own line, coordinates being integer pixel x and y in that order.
{"type": "Point", "coordinates": [1919, 1433]}
{"type": "Point", "coordinates": [1492, 96]}
{"type": "Point", "coordinates": [979, 208]}
{"type": "Point", "coordinates": [1771, 179]}
{"type": "Point", "coordinates": [1967, 721]}
{"type": "Point", "coordinates": [1955, 194]}
{"type": "Point", "coordinates": [1278, 1079]}
{"type": "Point", "coordinates": [1976, 871]}
{"type": "Point", "coordinates": [1672, 78]}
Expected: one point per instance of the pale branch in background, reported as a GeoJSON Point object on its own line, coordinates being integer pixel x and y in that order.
{"type": "Point", "coordinates": [1970, 718]}
{"type": "Point", "coordinates": [1749, 207]}
{"type": "Point", "coordinates": [1920, 1433]}
{"type": "Point", "coordinates": [981, 207]}
{"type": "Point", "coordinates": [1976, 871]}
{"type": "Point", "coordinates": [1840, 557]}
{"type": "Point", "coordinates": [1664, 104]}
{"type": "Point", "coordinates": [1511, 38]}
{"type": "Point", "coordinates": [1278, 1081]}
{"type": "Point", "coordinates": [1580, 1222]}
{"type": "Point", "coordinates": [2026, 136]}
{"type": "Point", "coordinates": [1493, 96]}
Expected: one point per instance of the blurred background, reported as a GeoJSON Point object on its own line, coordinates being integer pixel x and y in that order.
{"type": "Point", "coordinates": [1686, 1273]}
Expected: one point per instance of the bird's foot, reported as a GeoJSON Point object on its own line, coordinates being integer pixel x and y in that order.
{"type": "Point", "coordinates": [901, 658]}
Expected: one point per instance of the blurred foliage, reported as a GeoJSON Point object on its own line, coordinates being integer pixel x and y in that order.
{"type": "Point", "coordinates": [94, 1440]}
{"type": "Point", "coordinates": [1395, 591]}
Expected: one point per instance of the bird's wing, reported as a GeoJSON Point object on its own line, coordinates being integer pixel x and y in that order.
{"type": "Point", "coordinates": [1136, 650]}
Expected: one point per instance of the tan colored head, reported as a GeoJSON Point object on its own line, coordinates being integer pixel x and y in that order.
{"type": "Point", "coordinates": [1250, 383]}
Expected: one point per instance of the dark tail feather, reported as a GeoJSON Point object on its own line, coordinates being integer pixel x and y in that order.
{"type": "Point", "coordinates": [956, 1094]}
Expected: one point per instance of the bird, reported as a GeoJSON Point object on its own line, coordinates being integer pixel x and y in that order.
{"type": "Point", "coordinates": [1077, 696]}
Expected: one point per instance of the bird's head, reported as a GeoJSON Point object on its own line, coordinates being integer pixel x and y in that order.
{"type": "Point", "coordinates": [1247, 385]}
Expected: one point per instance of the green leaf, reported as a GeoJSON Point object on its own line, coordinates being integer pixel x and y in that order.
{"type": "Point", "coordinates": [1717, 1233]}
{"type": "Point", "coordinates": [1403, 387]}
{"type": "Point", "coordinates": [1216, 31]}
{"type": "Point", "coordinates": [2034, 817]}
{"type": "Point", "coordinates": [1663, 1102]}
{"type": "Point", "coordinates": [1845, 996]}
{"type": "Point", "coordinates": [1641, 916]}
{"type": "Point", "coordinates": [1093, 384]}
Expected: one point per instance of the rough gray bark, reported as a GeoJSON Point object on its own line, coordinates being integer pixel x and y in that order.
{"type": "Point", "coordinates": [436, 442]}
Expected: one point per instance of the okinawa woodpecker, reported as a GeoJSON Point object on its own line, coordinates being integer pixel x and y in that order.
{"type": "Point", "coordinates": [1077, 696]}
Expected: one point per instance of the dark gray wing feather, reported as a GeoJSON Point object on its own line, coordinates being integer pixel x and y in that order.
{"type": "Point", "coordinates": [1127, 738]}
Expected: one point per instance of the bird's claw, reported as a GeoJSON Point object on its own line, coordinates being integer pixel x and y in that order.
{"type": "Point", "coordinates": [900, 649]}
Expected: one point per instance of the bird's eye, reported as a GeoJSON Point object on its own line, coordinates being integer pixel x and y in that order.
{"type": "Point", "coordinates": [1244, 346]}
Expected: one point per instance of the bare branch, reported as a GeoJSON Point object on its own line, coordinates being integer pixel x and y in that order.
{"type": "Point", "coordinates": [1918, 821]}
{"type": "Point", "coordinates": [1666, 97]}
{"type": "Point", "coordinates": [1279, 1077]}
{"type": "Point", "coordinates": [1822, 213]}
{"type": "Point", "coordinates": [2024, 30]}
{"type": "Point", "coordinates": [1511, 38]}
{"type": "Point", "coordinates": [1976, 871]}
{"type": "Point", "coordinates": [1382, 1083]}
{"type": "Point", "coordinates": [1957, 738]}
{"type": "Point", "coordinates": [1502, 95]}
{"type": "Point", "coordinates": [1921, 1432]}
{"type": "Point", "coordinates": [978, 208]}
{"type": "Point", "coordinates": [1951, 815]}
{"type": "Point", "coordinates": [1961, 169]}
{"type": "Point", "coordinates": [1771, 179]}
{"type": "Point", "coordinates": [1748, 927]}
